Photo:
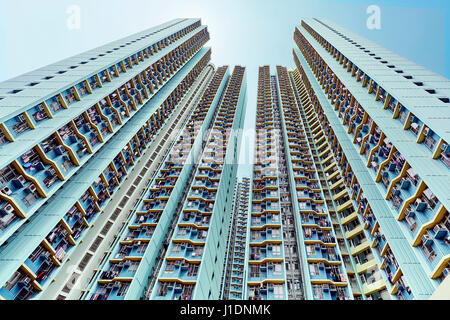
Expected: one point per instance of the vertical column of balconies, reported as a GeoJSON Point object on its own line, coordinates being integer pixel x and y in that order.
{"type": "Point", "coordinates": [266, 274]}
{"type": "Point", "coordinates": [235, 277]}
{"type": "Point", "coordinates": [354, 247]}
{"type": "Point", "coordinates": [324, 264]}
{"type": "Point", "coordinates": [200, 230]}
{"type": "Point", "coordinates": [281, 98]}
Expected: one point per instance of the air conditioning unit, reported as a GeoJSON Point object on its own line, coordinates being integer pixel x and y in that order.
{"type": "Point", "coordinates": [446, 271]}
{"type": "Point", "coordinates": [32, 187]}
{"type": "Point", "coordinates": [416, 203]}
{"type": "Point", "coordinates": [410, 214]}
{"type": "Point", "coordinates": [9, 208]}
{"type": "Point", "coordinates": [427, 131]}
{"type": "Point", "coordinates": [422, 206]}
{"type": "Point", "coordinates": [21, 179]}
{"type": "Point", "coordinates": [6, 190]}
{"type": "Point", "coordinates": [21, 117]}
{"type": "Point", "coordinates": [426, 240]}
{"type": "Point", "coordinates": [440, 231]}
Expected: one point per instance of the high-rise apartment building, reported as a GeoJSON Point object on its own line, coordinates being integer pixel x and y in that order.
{"type": "Point", "coordinates": [72, 134]}
{"type": "Point", "coordinates": [379, 127]}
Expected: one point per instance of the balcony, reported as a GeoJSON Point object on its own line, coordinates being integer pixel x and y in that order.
{"type": "Point", "coordinates": [269, 270]}
{"type": "Point", "coordinates": [270, 251]}
{"type": "Point", "coordinates": [415, 125]}
{"type": "Point", "coordinates": [181, 269]}
{"type": "Point", "coordinates": [119, 270]}
{"type": "Point", "coordinates": [143, 233]}
{"type": "Point", "coordinates": [38, 114]}
{"type": "Point", "coordinates": [198, 219]}
{"type": "Point", "coordinates": [74, 219]}
{"type": "Point", "coordinates": [89, 205]}
{"type": "Point", "coordinates": [3, 138]}
{"type": "Point", "coordinates": [8, 216]}
{"type": "Point", "coordinates": [34, 165]}
{"type": "Point", "coordinates": [112, 291]}
{"type": "Point", "coordinates": [15, 186]}
{"type": "Point", "coordinates": [266, 291]}
{"type": "Point", "coordinates": [70, 139]}
{"type": "Point", "coordinates": [55, 104]}
{"type": "Point", "coordinates": [57, 153]}
{"type": "Point", "coordinates": [191, 233]}
{"type": "Point", "coordinates": [18, 125]}
{"type": "Point", "coordinates": [206, 183]}
{"type": "Point", "coordinates": [157, 205]}
{"type": "Point", "coordinates": [82, 89]}
{"type": "Point", "coordinates": [103, 75]}
{"type": "Point", "coordinates": [118, 106]}
{"type": "Point", "coordinates": [185, 250]}
{"type": "Point", "coordinates": [112, 72]}
{"type": "Point", "coordinates": [136, 250]}
{"type": "Point", "coordinates": [93, 83]}
{"type": "Point", "coordinates": [110, 113]}
{"type": "Point", "coordinates": [19, 287]}
{"type": "Point", "coordinates": [100, 191]}
{"type": "Point", "coordinates": [69, 96]}
{"type": "Point", "coordinates": [149, 218]}
{"type": "Point", "coordinates": [41, 263]}
{"type": "Point", "coordinates": [174, 291]}
{"type": "Point", "coordinates": [86, 129]}
{"type": "Point", "coordinates": [60, 240]}
{"type": "Point", "coordinates": [136, 96]}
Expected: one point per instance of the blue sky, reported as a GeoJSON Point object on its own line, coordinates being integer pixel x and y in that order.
{"type": "Point", "coordinates": [246, 32]}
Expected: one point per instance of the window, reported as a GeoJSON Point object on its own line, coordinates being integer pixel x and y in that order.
{"type": "Point", "coordinates": [275, 233]}
{"type": "Point", "coordinates": [170, 268]}
{"type": "Point", "coordinates": [162, 290]}
{"type": "Point", "coordinates": [133, 266]}
{"type": "Point", "coordinates": [310, 249]}
{"type": "Point", "coordinates": [318, 293]}
{"type": "Point", "coordinates": [277, 269]}
{"type": "Point", "coordinates": [314, 269]}
{"type": "Point", "coordinates": [278, 291]}
{"type": "Point", "coordinates": [276, 250]}
{"type": "Point", "coordinates": [123, 289]}
{"type": "Point", "coordinates": [176, 248]}
{"type": "Point", "coordinates": [141, 248]}
{"type": "Point", "coordinates": [198, 250]}
{"type": "Point", "coordinates": [181, 231]}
